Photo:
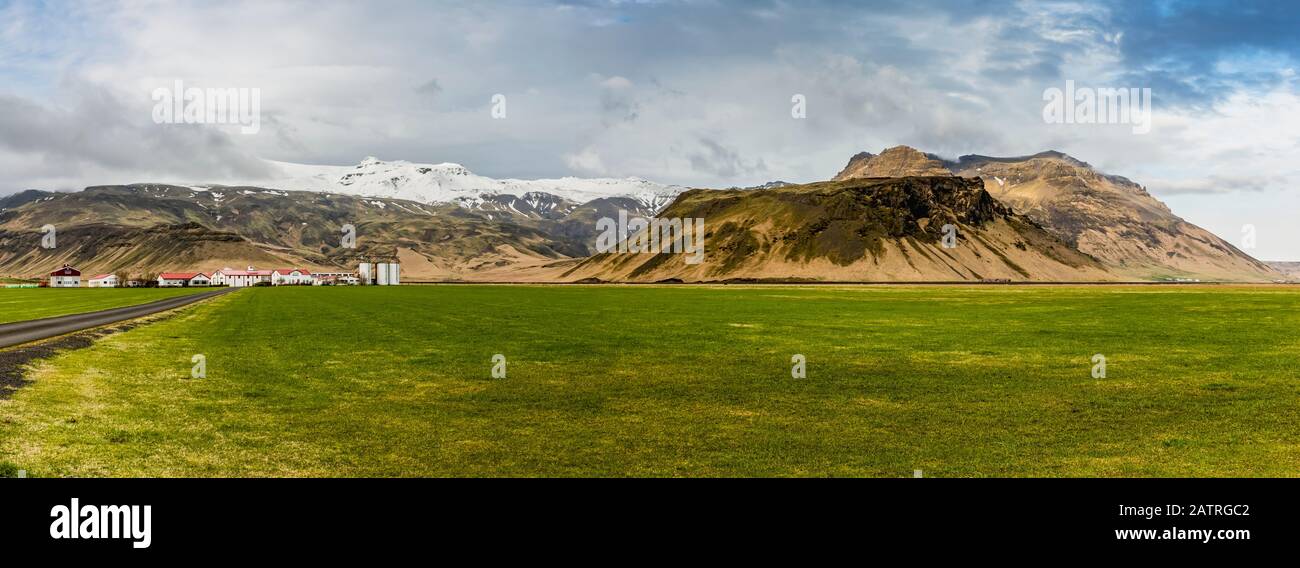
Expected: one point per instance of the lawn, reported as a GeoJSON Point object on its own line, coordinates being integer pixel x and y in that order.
{"type": "Point", "coordinates": [18, 304]}
{"type": "Point", "coordinates": [680, 381]}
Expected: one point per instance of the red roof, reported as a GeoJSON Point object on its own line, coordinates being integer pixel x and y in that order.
{"type": "Point", "coordinates": [246, 272]}
{"type": "Point", "coordinates": [100, 276]}
{"type": "Point", "coordinates": [66, 271]}
{"type": "Point", "coordinates": [181, 275]}
{"type": "Point", "coordinates": [289, 270]}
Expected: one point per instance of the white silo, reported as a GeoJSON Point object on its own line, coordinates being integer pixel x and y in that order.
{"type": "Point", "coordinates": [363, 271]}
{"type": "Point", "coordinates": [394, 274]}
{"type": "Point", "coordinates": [381, 271]}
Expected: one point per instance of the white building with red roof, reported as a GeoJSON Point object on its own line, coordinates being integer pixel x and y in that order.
{"type": "Point", "coordinates": [66, 277]}
{"type": "Point", "coordinates": [103, 281]}
{"type": "Point", "coordinates": [291, 277]}
{"type": "Point", "coordinates": [240, 278]}
{"type": "Point", "coordinates": [183, 279]}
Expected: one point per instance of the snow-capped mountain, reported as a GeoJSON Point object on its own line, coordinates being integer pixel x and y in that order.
{"type": "Point", "coordinates": [453, 183]}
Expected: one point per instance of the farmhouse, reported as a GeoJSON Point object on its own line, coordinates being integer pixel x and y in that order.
{"type": "Point", "coordinates": [291, 277]}
{"type": "Point", "coordinates": [240, 278]}
{"type": "Point", "coordinates": [183, 279]}
{"type": "Point", "coordinates": [66, 277]}
{"type": "Point", "coordinates": [102, 281]}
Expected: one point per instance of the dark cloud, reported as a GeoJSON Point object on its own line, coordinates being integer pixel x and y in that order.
{"type": "Point", "coordinates": [1181, 46]}
{"type": "Point", "coordinates": [715, 159]}
{"type": "Point", "coordinates": [431, 88]}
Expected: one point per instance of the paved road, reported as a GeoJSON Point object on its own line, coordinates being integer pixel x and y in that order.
{"type": "Point", "coordinates": [35, 330]}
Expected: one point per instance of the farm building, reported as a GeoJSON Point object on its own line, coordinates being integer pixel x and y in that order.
{"type": "Point", "coordinates": [335, 279]}
{"type": "Point", "coordinates": [240, 278]}
{"type": "Point", "coordinates": [183, 279]}
{"type": "Point", "coordinates": [291, 277]}
{"type": "Point", "coordinates": [66, 277]}
{"type": "Point", "coordinates": [102, 281]}
{"type": "Point", "coordinates": [379, 273]}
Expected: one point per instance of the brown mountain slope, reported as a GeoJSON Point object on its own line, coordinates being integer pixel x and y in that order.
{"type": "Point", "coordinates": [148, 228]}
{"type": "Point", "coordinates": [877, 229]}
{"type": "Point", "coordinates": [898, 161]}
{"type": "Point", "coordinates": [1108, 217]}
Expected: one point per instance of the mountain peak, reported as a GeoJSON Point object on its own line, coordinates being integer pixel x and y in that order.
{"type": "Point", "coordinates": [971, 160]}
{"type": "Point", "coordinates": [898, 161]}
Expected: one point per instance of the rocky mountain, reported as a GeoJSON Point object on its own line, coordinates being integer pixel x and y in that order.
{"type": "Point", "coordinates": [898, 161]}
{"type": "Point", "coordinates": [1108, 217]}
{"type": "Point", "coordinates": [862, 229]}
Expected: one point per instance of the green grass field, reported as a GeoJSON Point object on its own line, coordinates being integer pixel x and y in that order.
{"type": "Point", "coordinates": [18, 304]}
{"type": "Point", "coordinates": [680, 381]}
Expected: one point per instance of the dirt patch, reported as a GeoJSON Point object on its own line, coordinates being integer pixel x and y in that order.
{"type": "Point", "coordinates": [14, 361]}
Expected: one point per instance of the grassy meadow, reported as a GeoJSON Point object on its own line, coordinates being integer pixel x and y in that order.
{"type": "Point", "coordinates": [18, 304]}
{"type": "Point", "coordinates": [680, 381]}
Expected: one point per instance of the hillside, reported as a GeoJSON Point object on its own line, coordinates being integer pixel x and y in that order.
{"type": "Point", "coordinates": [1108, 217]}
{"type": "Point", "coordinates": [874, 229]}
{"type": "Point", "coordinates": [148, 228]}
{"type": "Point", "coordinates": [1289, 270]}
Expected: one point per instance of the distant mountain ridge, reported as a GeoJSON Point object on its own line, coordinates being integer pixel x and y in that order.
{"type": "Point", "coordinates": [144, 228]}
{"type": "Point", "coordinates": [453, 183]}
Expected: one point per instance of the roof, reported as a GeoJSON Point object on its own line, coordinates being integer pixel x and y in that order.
{"type": "Point", "coordinates": [289, 270]}
{"type": "Point", "coordinates": [66, 271]}
{"type": "Point", "coordinates": [181, 275]}
{"type": "Point", "coordinates": [246, 272]}
{"type": "Point", "coordinates": [102, 276]}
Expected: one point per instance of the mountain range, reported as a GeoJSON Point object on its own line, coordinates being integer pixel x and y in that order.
{"type": "Point", "coordinates": [1106, 216]}
{"type": "Point", "coordinates": [1044, 217]}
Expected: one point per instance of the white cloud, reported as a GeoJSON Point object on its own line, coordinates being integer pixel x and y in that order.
{"type": "Point", "coordinates": [586, 162]}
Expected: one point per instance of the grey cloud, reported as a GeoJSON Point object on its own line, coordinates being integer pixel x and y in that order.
{"type": "Point", "coordinates": [101, 133]}
{"type": "Point", "coordinates": [718, 160]}
{"type": "Point", "coordinates": [1218, 184]}
{"type": "Point", "coordinates": [431, 88]}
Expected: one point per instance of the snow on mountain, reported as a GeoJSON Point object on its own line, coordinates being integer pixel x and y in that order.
{"type": "Point", "coordinates": [453, 183]}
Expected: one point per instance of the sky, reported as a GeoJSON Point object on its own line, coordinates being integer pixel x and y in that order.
{"type": "Point", "coordinates": [691, 92]}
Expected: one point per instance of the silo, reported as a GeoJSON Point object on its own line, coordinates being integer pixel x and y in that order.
{"type": "Point", "coordinates": [394, 274]}
{"type": "Point", "coordinates": [381, 271]}
{"type": "Point", "coordinates": [363, 271]}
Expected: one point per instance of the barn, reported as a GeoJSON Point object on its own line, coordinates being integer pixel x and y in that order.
{"type": "Point", "coordinates": [66, 277]}
{"type": "Point", "coordinates": [102, 281]}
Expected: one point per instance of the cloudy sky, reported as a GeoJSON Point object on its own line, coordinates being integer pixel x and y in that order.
{"type": "Point", "coordinates": [695, 92]}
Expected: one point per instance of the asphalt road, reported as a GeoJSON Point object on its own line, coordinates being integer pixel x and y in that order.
{"type": "Point", "coordinates": [35, 330]}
